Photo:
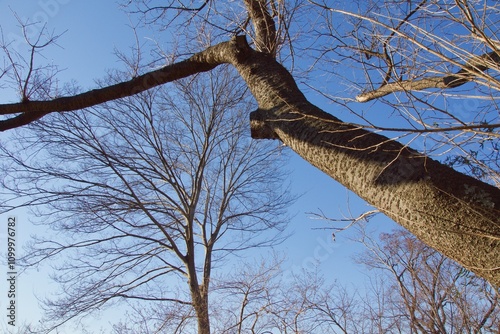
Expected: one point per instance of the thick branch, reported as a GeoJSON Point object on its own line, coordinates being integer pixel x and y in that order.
{"type": "Point", "coordinates": [466, 74]}
{"type": "Point", "coordinates": [206, 60]}
{"type": "Point", "coordinates": [265, 29]}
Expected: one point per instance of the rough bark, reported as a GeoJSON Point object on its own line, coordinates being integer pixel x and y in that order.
{"type": "Point", "coordinates": [265, 29]}
{"type": "Point", "coordinates": [453, 213]}
{"type": "Point", "coordinates": [200, 305]}
{"type": "Point", "coordinates": [29, 111]}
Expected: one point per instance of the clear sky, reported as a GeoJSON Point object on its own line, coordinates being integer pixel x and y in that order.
{"type": "Point", "coordinates": [94, 28]}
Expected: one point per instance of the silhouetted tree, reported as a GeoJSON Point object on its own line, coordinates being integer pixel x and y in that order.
{"type": "Point", "coordinates": [147, 195]}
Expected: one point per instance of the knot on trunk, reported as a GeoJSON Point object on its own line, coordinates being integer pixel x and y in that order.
{"type": "Point", "coordinates": [260, 125]}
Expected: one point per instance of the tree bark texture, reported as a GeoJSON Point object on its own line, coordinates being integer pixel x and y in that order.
{"type": "Point", "coordinates": [200, 305]}
{"type": "Point", "coordinates": [451, 212]}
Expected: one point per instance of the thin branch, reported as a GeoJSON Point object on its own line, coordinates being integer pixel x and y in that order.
{"type": "Point", "coordinates": [463, 76]}
{"type": "Point", "coordinates": [351, 220]}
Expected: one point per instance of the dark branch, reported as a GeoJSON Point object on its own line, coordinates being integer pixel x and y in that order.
{"type": "Point", "coordinates": [206, 60]}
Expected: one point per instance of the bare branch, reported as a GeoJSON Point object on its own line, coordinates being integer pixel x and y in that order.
{"type": "Point", "coordinates": [365, 216]}
{"type": "Point", "coordinates": [466, 74]}
{"type": "Point", "coordinates": [201, 62]}
{"type": "Point", "coordinates": [264, 26]}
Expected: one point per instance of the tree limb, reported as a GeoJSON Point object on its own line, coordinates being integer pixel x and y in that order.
{"type": "Point", "coordinates": [466, 74]}
{"type": "Point", "coordinates": [265, 29]}
{"type": "Point", "coordinates": [29, 111]}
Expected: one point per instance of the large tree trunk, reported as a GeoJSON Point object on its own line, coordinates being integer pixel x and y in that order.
{"type": "Point", "coordinates": [451, 212]}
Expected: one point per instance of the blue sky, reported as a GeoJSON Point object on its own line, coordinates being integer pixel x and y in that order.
{"type": "Point", "coordinates": [94, 29]}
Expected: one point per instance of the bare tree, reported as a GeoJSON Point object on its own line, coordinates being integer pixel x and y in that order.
{"type": "Point", "coordinates": [263, 297]}
{"type": "Point", "coordinates": [148, 193]}
{"type": "Point", "coordinates": [423, 291]}
{"type": "Point", "coordinates": [450, 211]}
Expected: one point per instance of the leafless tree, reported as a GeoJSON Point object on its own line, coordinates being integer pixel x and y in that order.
{"type": "Point", "coordinates": [262, 297]}
{"type": "Point", "coordinates": [412, 289]}
{"type": "Point", "coordinates": [421, 291]}
{"type": "Point", "coordinates": [148, 193]}
{"type": "Point", "coordinates": [449, 211]}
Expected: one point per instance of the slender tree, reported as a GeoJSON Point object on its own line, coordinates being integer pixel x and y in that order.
{"type": "Point", "coordinates": [449, 211]}
{"type": "Point", "coordinates": [148, 193]}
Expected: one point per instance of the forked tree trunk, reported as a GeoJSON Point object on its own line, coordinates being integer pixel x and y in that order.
{"type": "Point", "coordinates": [451, 212]}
